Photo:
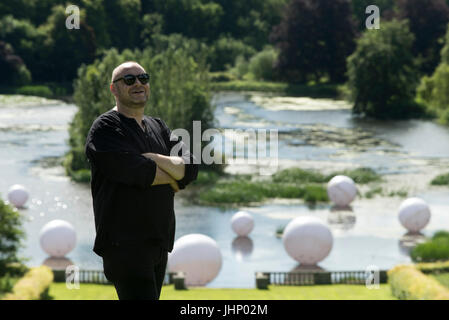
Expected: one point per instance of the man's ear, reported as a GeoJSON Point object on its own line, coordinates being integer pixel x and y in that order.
{"type": "Point", "coordinates": [112, 88]}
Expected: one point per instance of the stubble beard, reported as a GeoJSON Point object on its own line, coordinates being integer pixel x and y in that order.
{"type": "Point", "coordinates": [129, 102]}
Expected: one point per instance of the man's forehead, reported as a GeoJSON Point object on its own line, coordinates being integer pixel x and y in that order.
{"type": "Point", "coordinates": [127, 67]}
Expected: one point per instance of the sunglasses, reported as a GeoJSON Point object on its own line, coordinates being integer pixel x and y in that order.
{"type": "Point", "coordinates": [130, 79]}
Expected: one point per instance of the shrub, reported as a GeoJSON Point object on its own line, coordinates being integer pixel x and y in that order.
{"type": "Point", "coordinates": [436, 249]}
{"type": "Point", "coordinates": [11, 234]}
{"type": "Point", "coordinates": [433, 267]}
{"type": "Point", "coordinates": [241, 67]}
{"type": "Point", "coordinates": [225, 51]}
{"type": "Point", "coordinates": [382, 75]}
{"type": "Point", "coordinates": [408, 283]}
{"type": "Point", "coordinates": [6, 284]}
{"type": "Point", "coordinates": [441, 180]}
{"type": "Point", "coordinates": [37, 90]}
{"type": "Point", "coordinates": [434, 92]}
{"type": "Point", "coordinates": [442, 234]}
{"type": "Point", "coordinates": [83, 175]}
{"type": "Point", "coordinates": [261, 64]}
{"type": "Point", "coordinates": [33, 286]}
{"type": "Point", "coordinates": [221, 77]}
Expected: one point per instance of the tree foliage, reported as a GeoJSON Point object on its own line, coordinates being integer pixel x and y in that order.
{"type": "Point", "coordinates": [11, 235]}
{"type": "Point", "coordinates": [225, 51]}
{"type": "Point", "coordinates": [359, 10]}
{"type": "Point", "coordinates": [314, 39]}
{"type": "Point", "coordinates": [428, 20]}
{"type": "Point", "coordinates": [433, 90]}
{"type": "Point", "coordinates": [261, 64]}
{"type": "Point", "coordinates": [382, 74]}
{"type": "Point", "coordinates": [12, 68]}
{"type": "Point", "coordinates": [66, 48]}
{"type": "Point", "coordinates": [36, 29]}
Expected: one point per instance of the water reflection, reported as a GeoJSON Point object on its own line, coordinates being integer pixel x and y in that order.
{"type": "Point", "coordinates": [57, 263]}
{"type": "Point", "coordinates": [336, 208]}
{"type": "Point", "coordinates": [342, 218]}
{"type": "Point", "coordinates": [307, 268]}
{"type": "Point", "coordinates": [409, 241]}
{"type": "Point", "coordinates": [242, 247]}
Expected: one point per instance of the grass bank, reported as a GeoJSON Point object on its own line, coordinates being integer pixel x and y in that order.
{"type": "Point", "coordinates": [298, 90]}
{"type": "Point", "coordinates": [61, 91]}
{"type": "Point", "coordinates": [58, 291]}
{"type": "Point", "coordinates": [442, 278]}
{"type": "Point", "coordinates": [292, 183]}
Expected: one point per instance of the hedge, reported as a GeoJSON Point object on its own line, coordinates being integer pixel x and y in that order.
{"type": "Point", "coordinates": [433, 267]}
{"type": "Point", "coordinates": [33, 286]}
{"type": "Point", "coordinates": [408, 283]}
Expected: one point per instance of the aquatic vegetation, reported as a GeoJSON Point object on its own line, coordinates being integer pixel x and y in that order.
{"type": "Point", "coordinates": [441, 180]}
{"type": "Point", "coordinates": [291, 183]}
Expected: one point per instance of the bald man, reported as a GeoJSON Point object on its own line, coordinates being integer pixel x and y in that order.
{"type": "Point", "coordinates": [134, 180]}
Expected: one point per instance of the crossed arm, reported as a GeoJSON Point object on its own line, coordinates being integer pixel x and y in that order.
{"type": "Point", "coordinates": [169, 169]}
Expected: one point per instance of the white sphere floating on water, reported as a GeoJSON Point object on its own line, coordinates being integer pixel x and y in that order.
{"type": "Point", "coordinates": [307, 240]}
{"type": "Point", "coordinates": [198, 256]}
{"type": "Point", "coordinates": [57, 238]}
{"type": "Point", "coordinates": [242, 223]}
{"type": "Point", "coordinates": [341, 190]}
{"type": "Point", "coordinates": [414, 214]}
{"type": "Point", "coordinates": [18, 195]}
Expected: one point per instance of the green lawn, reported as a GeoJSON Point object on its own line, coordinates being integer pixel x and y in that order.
{"type": "Point", "coordinates": [324, 292]}
{"type": "Point", "coordinates": [442, 278]}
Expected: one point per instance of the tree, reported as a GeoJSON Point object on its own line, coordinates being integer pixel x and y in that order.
{"type": "Point", "coordinates": [123, 22]}
{"type": "Point", "coordinates": [191, 18]}
{"type": "Point", "coordinates": [250, 20]}
{"type": "Point", "coordinates": [153, 25]}
{"type": "Point", "coordinates": [64, 50]}
{"type": "Point", "coordinates": [314, 39]}
{"type": "Point", "coordinates": [428, 20]}
{"type": "Point", "coordinates": [359, 10]}
{"type": "Point", "coordinates": [433, 91]}
{"type": "Point", "coordinates": [12, 68]}
{"type": "Point", "coordinates": [97, 18]}
{"type": "Point", "coordinates": [382, 74]}
{"type": "Point", "coordinates": [261, 64]}
{"type": "Point", "coordinates": [225, 50]}
{"type": "Point", "coordinates": [11, 235]}
{"type": "Point", "coordinates": [26, 40]}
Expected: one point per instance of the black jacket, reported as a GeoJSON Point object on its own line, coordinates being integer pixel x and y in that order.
{"type": "Point", "coordinates": [128, 210]}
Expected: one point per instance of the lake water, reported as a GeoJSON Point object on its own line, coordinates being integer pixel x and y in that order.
{"type": "Point", "coordinates": [313, 134]}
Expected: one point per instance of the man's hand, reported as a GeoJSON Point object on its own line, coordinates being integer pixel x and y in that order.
{"type": "Point", "coordinates": [174, 166]}
{"type": "Point", "coordinates": [162, 177]}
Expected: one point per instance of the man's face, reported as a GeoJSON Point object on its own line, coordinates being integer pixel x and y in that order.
{"type": "Point", "coordinates": [132, 96]}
